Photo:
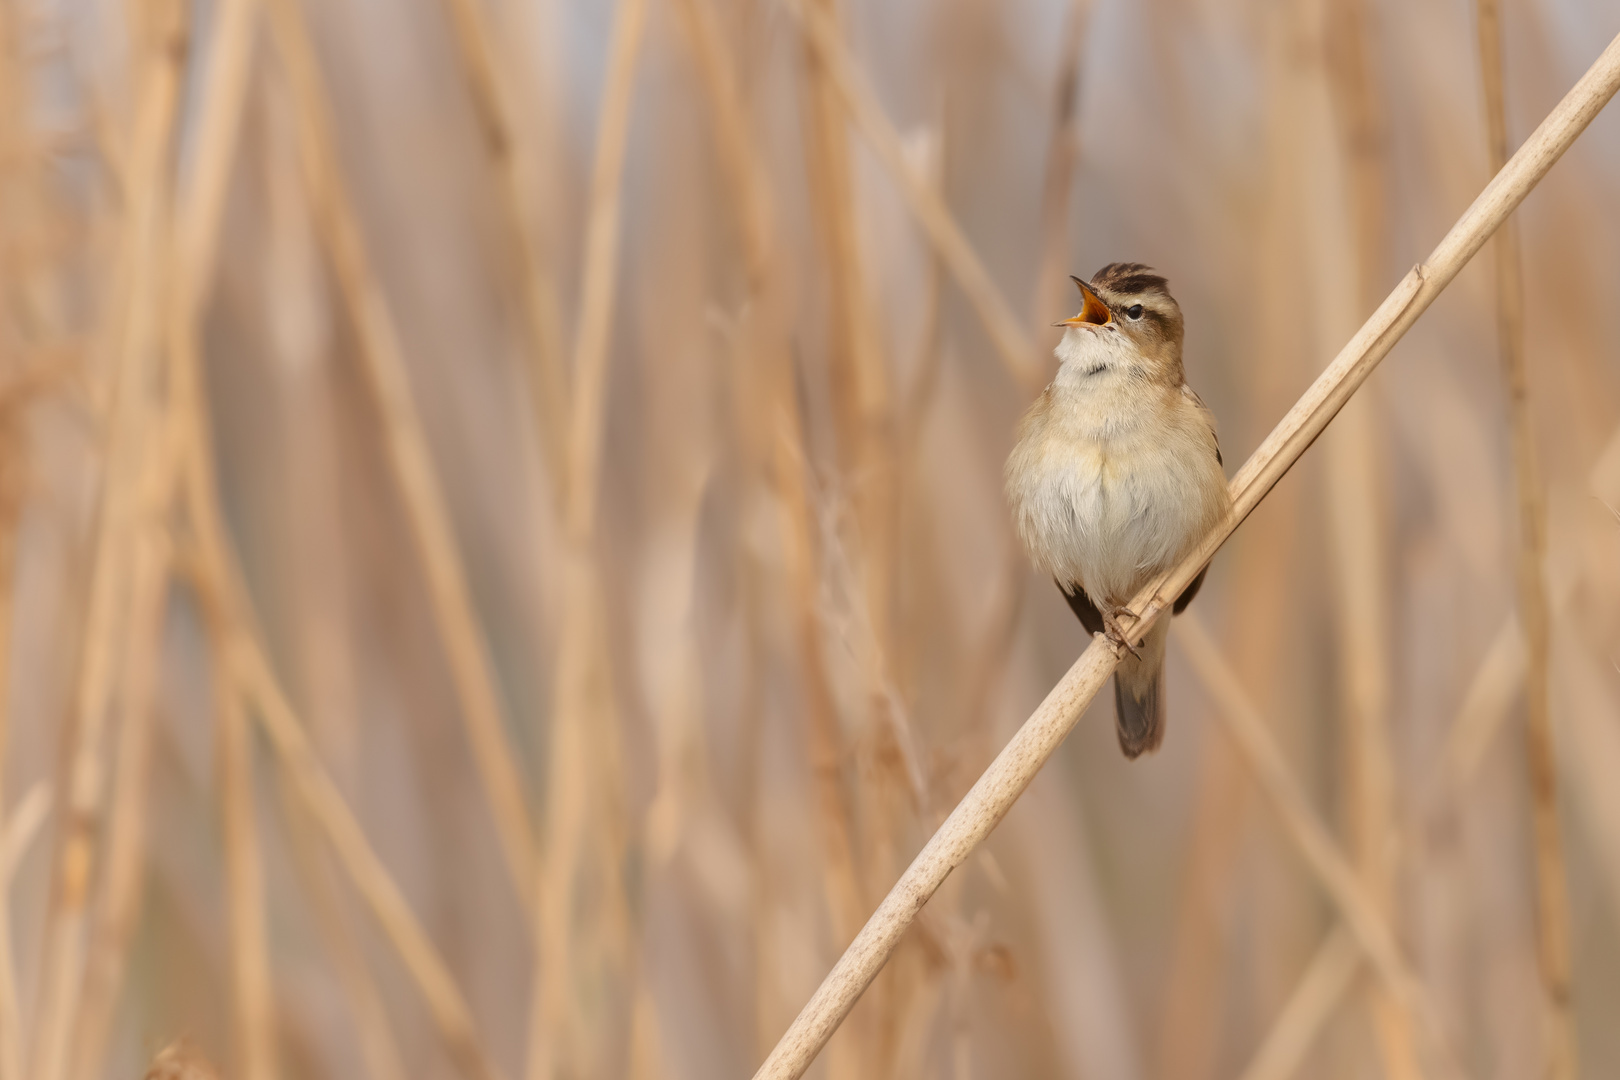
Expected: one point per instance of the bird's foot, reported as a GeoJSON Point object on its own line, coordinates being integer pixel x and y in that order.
{"type": "Point", "coordinates": [1116, 633]}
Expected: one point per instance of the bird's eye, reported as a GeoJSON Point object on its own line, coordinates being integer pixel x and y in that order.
{"type": "Point", "coordinates": [1134, 311]}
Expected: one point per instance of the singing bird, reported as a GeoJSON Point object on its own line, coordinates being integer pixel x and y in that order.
{"type": "Point", "coordinates": [1117, 475]}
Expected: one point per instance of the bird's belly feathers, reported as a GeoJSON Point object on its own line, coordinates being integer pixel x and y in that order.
{"type": "Point", "coordinates": [1110, 514]}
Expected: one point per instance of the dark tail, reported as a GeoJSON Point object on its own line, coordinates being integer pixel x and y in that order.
{"type": "Point", "coordinates": [1139, 695]}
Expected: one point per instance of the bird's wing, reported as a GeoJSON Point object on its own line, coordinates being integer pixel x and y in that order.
{"type": "Point", "coordinates": [1082, 607]}
{"type": "Point", "coordinates": [1189, 592]}
{"type": "Point", "coordinates": [1213, 437]}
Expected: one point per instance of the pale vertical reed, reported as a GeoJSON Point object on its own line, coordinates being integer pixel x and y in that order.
{"type": "Point", "coordinates": [1015, 767]}
{"type": "Point", "coordinates": [252, 1006]}
{"type": "Point", "coordinates": [195, 227]}
{"type": "Point", "coordinates": [1230, 883]}
{"type": "Point", "coordinates": [1013, 346]}
{"type": "Point", "coordinates": [11, 495]}
{"type": "Point", "coordinates": [583, 785]}
{"type": "Point", "coordinates": [1474, 725]}
{"type": "Point", "coordinates": [23, 826]}
{"type": "Point", "coordinates": [132, 338]}
{"type": "Point", "coordinates": [378, 1047]}
{"type": "Point", "coordinates": [489, 82]}
{"type": "Point", "coordinates": [1057, 201]}
{"type": "Point", "coordinates": [1062, 160]}
{"type": "Point", "coordinates": [858, 552]}
{"type": "Point", "coordinates": [117, 902]}
{"type": "Point", "coordinates": [214, 573]}
{"type": "Point", "coordinates": [774, 451]}
{"type": "Point", "coordinates": [409, 456]}
{"type": "Point", "coordinates": [1359, 909]}
{"type": "Point", "coordinates": [858, 555]}
{"type": "Point", "coordinates": [763, 363]}
{"type": "Point", "coordinates": [1552, 899]}
{"type": "Point", "coordinates": [1347, 242]}
{"type": "Point", "coordinates": [13, 145]}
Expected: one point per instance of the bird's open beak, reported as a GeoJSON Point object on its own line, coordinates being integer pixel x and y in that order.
{"type": "Point", "coordinates": [1092, 313]}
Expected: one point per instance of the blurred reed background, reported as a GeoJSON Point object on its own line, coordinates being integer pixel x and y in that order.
{"type": "Point", "coordinates": [504, 559]}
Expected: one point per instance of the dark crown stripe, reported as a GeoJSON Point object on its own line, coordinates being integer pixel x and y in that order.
{"type": "Point", "coordinates": [1128, 278]}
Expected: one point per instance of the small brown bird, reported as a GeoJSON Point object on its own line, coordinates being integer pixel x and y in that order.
{"type": "Point", "coordinates": [1117, 475]}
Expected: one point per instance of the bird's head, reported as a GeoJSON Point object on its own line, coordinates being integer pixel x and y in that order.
{"type": "Point", "coordinates": [1128, 320]}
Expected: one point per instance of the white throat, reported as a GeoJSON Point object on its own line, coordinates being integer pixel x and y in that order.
{"type": "Point", "coordinates": [1086, 355]}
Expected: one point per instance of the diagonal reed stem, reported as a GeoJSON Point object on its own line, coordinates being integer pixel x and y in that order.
{"type": "Point", "coordinates": [1000, 785]}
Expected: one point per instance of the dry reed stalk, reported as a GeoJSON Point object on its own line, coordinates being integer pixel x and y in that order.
{"type": "Point", "coordinates": [487, 79]}
{"type": "Point", "coordinates": [1017, 351]}
{"type": "Point", "coordinates": [863, 422]}
{"type": "Point", "coordinates": [583, 750]}
{"type": "Point", "coordinates": [1473, 728]}
{"type": "Point", "coordinates": [22, 827]}
{"type": "Point", "coordinates": [734, 142]}
{"type": "Point", "coordinates": [378, 1047]}
{"type": "Point", "coordinates": [410, 459]}
{"type": "Point", "coordinates": [856, 376]}
{"type": "Point", "coordinates": [1057, 198]}
{"type": "Point", "coordinates": [253, 1018]}
{"type": "Point", "coordinates": [1062, 156]}
{"type": "Point", "coordinates": [19, 824]}
{"type": "Point", "coordinates": [196, 232]}
{"type": "Point", "coordinates": [833, 818]}
{"type": "Point", "coordinates": [996, 790]}
{"type": "Point", "coordinates": [253, 1011]}
{"type": "Point", "coordinates": [214, 573]}
{"type": "Point", "coordinates": [863, 564]}
{"type": "Point", "coordinates": [1259, 635]}
{"type": "Point", "coordinates": [772, 461]}
{"type": "Point", "coordinates": [1190, 1029]}
{"type": "Point", "coordinates": [1326, 980]}
{"type": "Point", "coordinates": [1487, 702]}
{"type": "Point", "coordinates": [773, 447]}
{"type": "Point", "coordinates": [1345, 243]}
{"type": "Point", "coordinates": [763, 361]}
{"type": "Point", "coordinates": [1552, 899]}
{"type": "Point", "coordinates": [587, 407]}
{"type": "Point", "coordinates": [1358, 908]}
{"type": "Point", "coordinates": [133, 342]}
{"type": "Point", "coordinates": [1591, 753]}
{"type": "Point", "coordinates": [117, 904]}
{"type": "Point", "coordinates": [1501, 670]}
{"type": "Point", "coordinates": [12, 482]}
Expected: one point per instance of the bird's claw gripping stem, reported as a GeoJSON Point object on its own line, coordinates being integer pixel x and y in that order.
{"type": "Point", "coordinates": [1116, 633]}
